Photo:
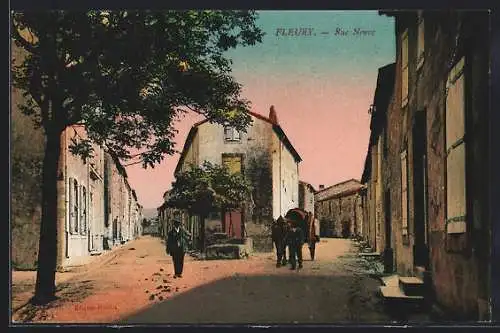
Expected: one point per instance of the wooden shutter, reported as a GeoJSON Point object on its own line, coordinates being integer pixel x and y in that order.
{"type": "Point", "coordinates": [83, 210]}
{"type": "Point", "coordinates": [233, 163]}
{"type": "Point", "coordinates": [71, 204]}
{"type": "Point", "coordinates": [76, 198]}
{"type": "Point", "coordinates": [228, 133]}
{"type": "Point", "coordinates": [404, 193]}
{"type": "Point", "coordinates": [456, 208]}
{"type": "Point", "coordinates": [404, 68]}
{"type": "Point", "coordinates": [421, 41]}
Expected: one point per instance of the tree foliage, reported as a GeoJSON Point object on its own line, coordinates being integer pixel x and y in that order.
{"type": "Point", "coordinates": [210, 187]}
{"type": "Point", "coordinates": [128, 75]}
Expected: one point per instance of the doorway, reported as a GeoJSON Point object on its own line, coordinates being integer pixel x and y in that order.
{"type": "Point", "coordinates": [421, 249]}
{"type": "Point", "coordinates": [388, 250]}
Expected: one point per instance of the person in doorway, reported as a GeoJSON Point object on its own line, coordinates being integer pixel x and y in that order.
{"type": "Point", "coordinates": [295, 241]}
{"type": "Point", "coordinates": [177, 243]}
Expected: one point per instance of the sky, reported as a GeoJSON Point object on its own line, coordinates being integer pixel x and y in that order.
{"type": "Point", "coordinates": [321, 86]}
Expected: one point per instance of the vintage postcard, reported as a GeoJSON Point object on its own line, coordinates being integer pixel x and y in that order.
{"type": "Point", "coordinates": [263, 167]}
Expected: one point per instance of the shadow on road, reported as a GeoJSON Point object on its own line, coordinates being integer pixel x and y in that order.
{"type": "Point", "coordinates": [271, 299]}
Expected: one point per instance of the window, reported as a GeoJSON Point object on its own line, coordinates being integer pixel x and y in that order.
{"type": "Point", "coordinates": [73, 205]}
{"type": "Point", "coordinates": [233, 163]}
{"type": "Point", "coordinates": [404, 194]}
{"type": "Point", "coordinates": [83, 210]}
{"type": "Point", "coordinates": [91, 206]}
{"type": "Point", "coordinates": [404, 68]}
{"type": "Point", "coordinates": [231, 134]}
{"type": "Point", "coordinates": [455, 151]}
{"type": "Point", "coordinates": [421, 41]}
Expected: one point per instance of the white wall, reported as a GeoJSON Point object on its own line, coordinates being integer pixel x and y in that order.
{"type": "Point", "coordinates": [285, 179]}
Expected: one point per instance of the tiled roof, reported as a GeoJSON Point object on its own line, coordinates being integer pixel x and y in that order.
{"type": "Point", "coordinates": [345, 188]}
{"type": "Point", "coordinates": [276, 127]}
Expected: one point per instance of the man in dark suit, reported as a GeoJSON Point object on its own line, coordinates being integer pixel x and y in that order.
{"type": "Point", "coordinates": [295, 241]}
{"type": "Point", "coordinates": [177, 244]}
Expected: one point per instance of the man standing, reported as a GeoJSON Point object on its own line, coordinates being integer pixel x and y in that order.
{"type": "Point", "coordinates": [295, 240]}
{"type": "Point", "coordinates": [177, 243]}
{"type": "Point", "coordinates": [313, 234]}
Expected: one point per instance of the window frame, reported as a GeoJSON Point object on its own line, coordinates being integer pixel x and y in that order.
{"type": "Point", "coordinates": [74, 222]}
{"type": "Point", "coordinates": [231, 134]}
{"type": "Point", "coordinates": [420, 40]}
{"type": "Point", "coordinates": [83, 211]}
{"type": "Point", "coordinates": [456, 225]}
{"type": "Point", "coordinates": [405, 69]}
{"type": "Point", "coordinates": [232, 155]}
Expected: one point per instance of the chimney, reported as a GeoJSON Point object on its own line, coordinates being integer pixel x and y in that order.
{"type": "Point", "coordinates": [272, 115]}
{"type": "Point", "coordinates": [321, 187]}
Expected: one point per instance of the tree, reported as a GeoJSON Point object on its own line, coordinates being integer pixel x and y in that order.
{"type": "Point", "coordinates": [207, 188]}
{"type": "Point", "coordinates": [127, 76]}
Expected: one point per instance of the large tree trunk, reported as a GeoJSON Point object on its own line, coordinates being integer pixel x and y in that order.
{"type": "Point", "coordinates": [47, 254]}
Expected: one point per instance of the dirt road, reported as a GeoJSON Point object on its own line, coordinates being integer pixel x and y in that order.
{"type": "Point", "coordinates": [137, 287]}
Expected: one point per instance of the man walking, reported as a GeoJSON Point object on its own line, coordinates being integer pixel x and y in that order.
{"type": "Point", "coordinates": [177, 243]}
{"type": "Point", "coordinates": [313, 236]}
{"type": "Point", "coordinates": [295, 240]}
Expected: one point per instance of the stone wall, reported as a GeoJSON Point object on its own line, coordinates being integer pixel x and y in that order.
{"type": "Point", "coordinates": [458, 262]}
{"type": "Point", "coordinates": [27, 152]}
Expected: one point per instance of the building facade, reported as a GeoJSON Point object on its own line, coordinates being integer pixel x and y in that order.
{"type": "Point", "coordinates": [85, 191]}
{"type": "Point", "coordinates": [306, 196]}
{"type": "Point", "coordinates": [435, 205]}
{"type": "Point", "coordinates": [377, 173]}
{"type": "Point", "coordinates": [265, 156]}
{"type": "Point", "coordinates": [338, 209]}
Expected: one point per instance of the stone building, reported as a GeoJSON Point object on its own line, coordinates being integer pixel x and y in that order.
{"type": "Point", "coordinates": [377, 171]}
{"type": "Point", "coordinates": [86, 191]}
{"type": "Point", "coordinates": [338, 209]}
{"type": "Point", "coordinates": [123, 212]}
{"type": "Point", "coordinates": [436, 176]}
{"type": "Point", "coordinates": [265, 156]}
{"type": "Point", "coordinates": [306, 196]}
{"type": "Point", "coordinates": [81, 188]}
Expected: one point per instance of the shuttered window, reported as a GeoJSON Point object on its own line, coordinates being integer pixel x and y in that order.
{"type": "Point", "coordinates": [404, 68]}
{"type": "Point", "coordinates": [404, 193]}
{"type": "Point", "coordinates": [232, 162]}
{"type": "Point", "coordinates": [421, 41]}
{"type": "Point", "coordinates": [231, 134]}
{"type": "Point", "coordinates": [83, 211]}
{"type": "Point", "coordinates": [456, 209]}
{"type": "Point", "coordinates": [73, 205]}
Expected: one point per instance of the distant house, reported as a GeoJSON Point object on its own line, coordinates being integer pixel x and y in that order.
{"type": "Point", "coordinates": [165, 219]}
{"type": "Point", "coordinates": [306, 196]}
{"type": "Point", "coordinates": [265, 155]}
{"type": "Point", "coordinates": [339, 209]}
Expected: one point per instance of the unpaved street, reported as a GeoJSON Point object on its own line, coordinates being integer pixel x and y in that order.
{"type": "Point", "coordinates": [137, 287]}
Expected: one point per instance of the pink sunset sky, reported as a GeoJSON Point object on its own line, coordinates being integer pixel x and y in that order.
{"type": "Point", "coordinates": [321, 98]}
